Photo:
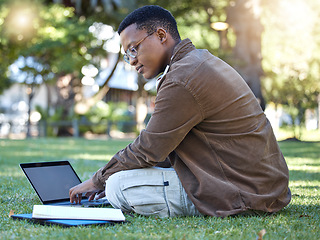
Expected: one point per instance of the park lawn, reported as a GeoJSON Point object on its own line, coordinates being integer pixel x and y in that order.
{"type": "Point", "coordinates": [299, 220]}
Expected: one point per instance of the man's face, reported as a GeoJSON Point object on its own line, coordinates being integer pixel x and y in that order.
{"type": "Point", "coordinates": [150, 58]}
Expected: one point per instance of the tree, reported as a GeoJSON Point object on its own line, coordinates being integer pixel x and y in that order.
{"type": "Point", "coordinates": [58, 44]}
{"type": "Point", "coordinates": [291, 59]}
{"type": "Point", "coordinates": [7, 51]}
{"type": "Point", "coordinates": [61, 39]}
{"type": "Point", "coordinates": [111, 12]}
{"type": "Point", "coordinates": [244, 18]}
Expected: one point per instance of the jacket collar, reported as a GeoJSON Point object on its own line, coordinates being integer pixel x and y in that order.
{"type": "Point", "coordinates": [182, 49]}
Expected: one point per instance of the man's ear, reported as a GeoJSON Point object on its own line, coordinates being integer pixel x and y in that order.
{"type": "Point", "coordinates": [162, 35]}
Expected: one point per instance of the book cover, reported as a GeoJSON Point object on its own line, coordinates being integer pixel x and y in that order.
{"type": "Point", "coordinates": [67, 212]}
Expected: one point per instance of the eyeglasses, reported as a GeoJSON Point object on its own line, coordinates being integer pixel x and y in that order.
{"type": "Point", "coordinates": [132, 51]}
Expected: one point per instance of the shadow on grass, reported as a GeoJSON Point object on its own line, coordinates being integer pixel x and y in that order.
{"type": "Point", "coordinates": [314, 187]}
{"type": "Point", "coordinates": [304, 175]}
{"type": "Point", "coordinates": [300, 149]}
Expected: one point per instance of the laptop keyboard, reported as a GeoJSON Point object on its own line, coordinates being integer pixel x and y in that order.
{"type": "Point", "coordinates": [85, 203]}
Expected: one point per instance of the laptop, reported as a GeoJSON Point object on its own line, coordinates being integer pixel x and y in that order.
{"type": "Point", "coordinates": [52, 181]}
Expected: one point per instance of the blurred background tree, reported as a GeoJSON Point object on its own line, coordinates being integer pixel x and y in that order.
{"type": "Point", "coordinates": [291, 59]}
{"type": "Point", "coordinates": [51, 45]}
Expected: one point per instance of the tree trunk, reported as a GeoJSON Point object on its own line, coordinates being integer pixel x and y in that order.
{"type": "Point", "coordinates": [318, 115]}
{"type": "Point", "coordinates": [243, 16]}
{"type": "Point", "coordinates": [141, 107]}
{"type": "Point", "coordinates": [84, 105]}
{"type": "Point", "coordinates": [30, 92]}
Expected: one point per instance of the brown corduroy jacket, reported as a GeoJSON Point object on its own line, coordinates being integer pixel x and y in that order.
{"type": "Point", "coordinates": [208, 123]}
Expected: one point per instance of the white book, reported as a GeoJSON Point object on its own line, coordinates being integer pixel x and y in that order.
{"type": "Point", "coordinates": [67, 212]}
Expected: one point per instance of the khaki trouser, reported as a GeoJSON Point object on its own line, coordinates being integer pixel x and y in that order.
{"type": "Point", "coordinates": [149, 191]}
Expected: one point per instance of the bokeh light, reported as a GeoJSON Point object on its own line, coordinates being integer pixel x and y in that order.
{"type": "Point", "coordinates": [21, 22]}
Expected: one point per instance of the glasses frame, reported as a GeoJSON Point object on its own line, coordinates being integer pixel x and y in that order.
{"type": "Point", "coordinates": [132, 51]}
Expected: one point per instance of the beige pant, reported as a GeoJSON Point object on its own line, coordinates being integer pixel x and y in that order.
{"type": "Point", "coordinates": [149, 191]}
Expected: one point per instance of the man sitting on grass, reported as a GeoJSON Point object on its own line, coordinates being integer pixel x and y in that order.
{"type": "Point", "coordinates": [208, 148]}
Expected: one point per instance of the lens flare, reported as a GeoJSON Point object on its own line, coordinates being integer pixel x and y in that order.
{"type": "Point", "coordinates": [21, 22]}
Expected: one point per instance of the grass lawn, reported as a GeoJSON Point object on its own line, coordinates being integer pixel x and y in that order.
{"type": "Point", "coordinates": [300, 220]}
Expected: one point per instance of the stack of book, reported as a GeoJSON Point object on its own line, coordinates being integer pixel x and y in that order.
{"type": "Point", "coordinates": [69, 212]}
{"type": "Point", "coordinates": [69, 216]}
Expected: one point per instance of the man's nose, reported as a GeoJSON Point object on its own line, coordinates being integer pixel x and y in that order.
{"type": "Point", "coordinates": [133, 61]}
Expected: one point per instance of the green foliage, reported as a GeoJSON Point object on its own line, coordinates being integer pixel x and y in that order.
{"type": "Point", "coordinates": [291, 55]}
{"type": "Point", "coordinates": [300, 220]}
{"type": "Point", "coordinates": [54, 38]}
{"type": "Point", "coordinates": [6, 52]}
{"type": "Point", "coordinates": [194, 19]}
{"type": "Point", "coordinates": [5, 82]}
{"type": "Point", "coordinates": [108, 111]}
{"type": "Point", "coordinates": [99, 112]}
{"type": "Point", "coordinates": [49, 122]}
{"type": "Point", "coordinates": [103, 116]}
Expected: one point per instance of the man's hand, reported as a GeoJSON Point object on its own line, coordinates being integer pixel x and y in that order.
{"type": "Point", "coordinates": [75, 193]}
{"type": "Point", "coordinates": [95, 195]}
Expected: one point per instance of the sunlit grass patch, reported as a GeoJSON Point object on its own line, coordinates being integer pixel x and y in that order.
{"type": "Point", "coordinates": [299, 220]}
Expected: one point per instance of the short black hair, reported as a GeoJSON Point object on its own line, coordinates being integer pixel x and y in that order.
{"type": "Point", "coordinates": [151, 17]}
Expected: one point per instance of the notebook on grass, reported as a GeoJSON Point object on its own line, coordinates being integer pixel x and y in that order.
{"type": "Point", "coordinates": [52, 181]}
{"type": "Point", "coordinates": [68, 216]}
{"type": "Point", "coordinates": [60, 222]}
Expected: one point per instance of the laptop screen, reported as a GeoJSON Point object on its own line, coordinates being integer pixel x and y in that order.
{"type": "Point", "coordinates": [51, 180]}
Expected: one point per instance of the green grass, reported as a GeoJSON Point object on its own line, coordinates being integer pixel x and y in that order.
{"type": "Point", "coordinates": [300, 220]}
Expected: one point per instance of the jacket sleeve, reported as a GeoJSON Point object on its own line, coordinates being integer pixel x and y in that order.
{"type": "Point", "coordinates": [176, 113]}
